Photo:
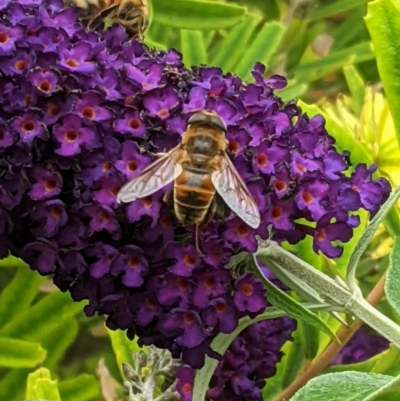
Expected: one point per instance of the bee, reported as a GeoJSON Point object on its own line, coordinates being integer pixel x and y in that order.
{"type": "Point", "coordinates": [205, 179]}
{"type": "Point", "coordinates": [132, 14]}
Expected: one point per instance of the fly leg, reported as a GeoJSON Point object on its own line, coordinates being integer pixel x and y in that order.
{"type": "Point", "coordinates": [207, 218]}
{"type": "Point", "coordinates": [201, 254]}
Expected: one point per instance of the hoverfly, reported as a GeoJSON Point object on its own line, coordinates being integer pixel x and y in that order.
{"type": "Point", "coordinates": [132, 14]}
{"type": "Point", "coordinates": [203, 176]}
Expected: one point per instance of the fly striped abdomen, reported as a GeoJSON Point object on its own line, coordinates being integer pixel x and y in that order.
{"type": "Point", "coordinates": [193, 194]}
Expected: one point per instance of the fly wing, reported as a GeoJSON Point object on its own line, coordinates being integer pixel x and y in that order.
{"type": "Point", "coordinates": [152, 178]}
{"type": "Point", "coordinates": [235, 193]}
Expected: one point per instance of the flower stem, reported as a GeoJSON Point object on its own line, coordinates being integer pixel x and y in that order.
{"type": "Point", "coordinates": [328, 355]}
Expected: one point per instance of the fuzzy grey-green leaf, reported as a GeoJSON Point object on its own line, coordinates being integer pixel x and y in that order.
{"type": "Point", "coordinates": [344, 386]}
{"type": "Point", "coordinates": [392, 286]}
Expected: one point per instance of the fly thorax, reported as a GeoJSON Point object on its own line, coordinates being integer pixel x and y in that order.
{"type": "Point", "coordinates": [201, 148]}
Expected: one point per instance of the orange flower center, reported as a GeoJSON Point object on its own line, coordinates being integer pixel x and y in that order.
{"type": "Point", "coordinates": [280, 185]}
{"type": "Point", "coordinates": [247, 289]}
{"type": "Point", "coordinates": [49, 184]}
{"type": "Point", "coordinates": [242, 230]}
{"type": "Point", "coordinates": [262, 159]}
{"type": "Point", "coordinates": [21, 65]}
{"type": "Point", "coordinates": [188, 318]}
{"type": "Point", "coordinates": [221, 307]}
{"type": "Point", "coordinates": [308, 198]}
{"type": "Point", "coordinates": [72, 62]}
{"type": "Point", "coordinates": [189, 260]}
{"type": "Point", "coordinates": [134, 123]}
{"type": "Point", "coordinates": [106, 166]}
{"type": "Point", "coordinates": [133, 262]}
{"type": "Point", "coordinates": [147, 202]}
{"type": "Point", "coordinates": [3, 37]}
{"type": "Point", "coordinates": [181, 283]}
{"type": "Point", "coordinates": [105, 216]}
{"type": "Point", "coordinates": [88, 112]}
{"type": "Point", "coordinates": [56, 212]}
{"type": "Point", "coordinates": [71, 135]}
{"type": "Point", "coordinates": [45, 86]}
{"type": "Point", "coordinates": [28, 126]}
{"type": "Point", "coordinates": [131, 165]}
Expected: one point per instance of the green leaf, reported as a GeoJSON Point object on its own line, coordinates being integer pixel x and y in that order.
{"type": "Point", "coordinates": [393, 385]}
{"type": "Point", "coordinates": [356, 85]}
{"type": "Point", "coordinates": [383, 23]}
{"type": "Point", "coordinates": [343, 386]}
{"type": "Point", "coordinates": [12, 384]}
{"type": "Point", "coordinates": [40, 385]}
{"type": "Point", "coordinates": [20, 354]}
{"type": "Point", "coordinates": [192, 48]}
{"type": "Point", "coordinates": [313, 70]}
{"type": "Point", "coordinates": [58, 340]}
{"type": "Point", "coordinates": [42, 317]}
{"type": "Point", "coordinates": [230, 50]}
{"type": "Point", "coordinates": [308, 337]}
{"type": "Point", "coordinates": [366, 237]}
{"type": "Point", "coordinates": [392, 285]}
{"type": "Point", "coordinates": [197, 14]}
{"type": "Point", "coordinates": [11, 301]}
{"type": "Point", "coordinates": [12, 261]}
{"type": "Point", "coordinates": [81, 388]}
{"type": "Point", "coordinates": [295, 354]}
{"type": "Point", "coordinates": [336, 7]}
{"type": "Point", "coordinates": [262, 49]}
{"type": "Point", "coordinates": [294, 309]}
{"type": "Point", "coordinates": [220, 344]}
{"type": "Point", "coordinates": [122, 347]}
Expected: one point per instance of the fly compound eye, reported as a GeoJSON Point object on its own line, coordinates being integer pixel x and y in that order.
{"type": "Point", "coordinates": [209, 118]}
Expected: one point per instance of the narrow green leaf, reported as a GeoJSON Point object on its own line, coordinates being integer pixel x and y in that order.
{"type": "Point", "coordinates": [356, 85]}
{"type": "Point", "coordinates": [153, 44]}
{"type": "Point", "coordinates": [308, 336]}
{"type": "Point", "coordinates": [366, 238]}
{"type": "Point", "coordinates": [122, 347]}
{"type": "Point", "coordinates": [383, 23]}
{"type": "Point", "coordinates": [12, 261]}
{"type": "Point", "coordinates": [42, 317]}
{"type": "Point", "coordinates": [208, 37]}
{"type": "Point", "coordinates": [313, 70]}
{"type": "Point", "coordinates": [294, 355]}
{"type": "Point", "coordinates": [40, 385]}
{"type": "Point", "coordinates": [12, 384]}
{"type": "Point", "coordinates": [293, 91]}
{"type": "Point", "coordinates": [336, 8]}
{"type": "Point", "coordinates": [20, 354]}
{"type": "Point", "coordinates": [343, 386]}
{"type": "Point", "coordinates": [81, 388]}
{"type": "Point", "coordinates": [230, 50]}
{"type": "Point", "coordinates": [58, 340]}
{"type": "Point", "coordinates": [294, 309]}
{"type": "Point", "coordinates": [192, 48]}
{"type": "Point", "coordinates": [392, 285]}
{"type": "Point", "coordinates": [262, 49]}
{"type": "Point", "coordinates": [197, 14]}
{"type": "Point", "coordinates": [12, 302]}
{"type": "Point", "coordinates": [392, 222]}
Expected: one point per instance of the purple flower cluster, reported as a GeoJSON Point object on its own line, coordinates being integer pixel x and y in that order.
{"type": "Point", "coordinates": [82, 113]}
{"type": "Point", "coordinates": [364, 345]}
